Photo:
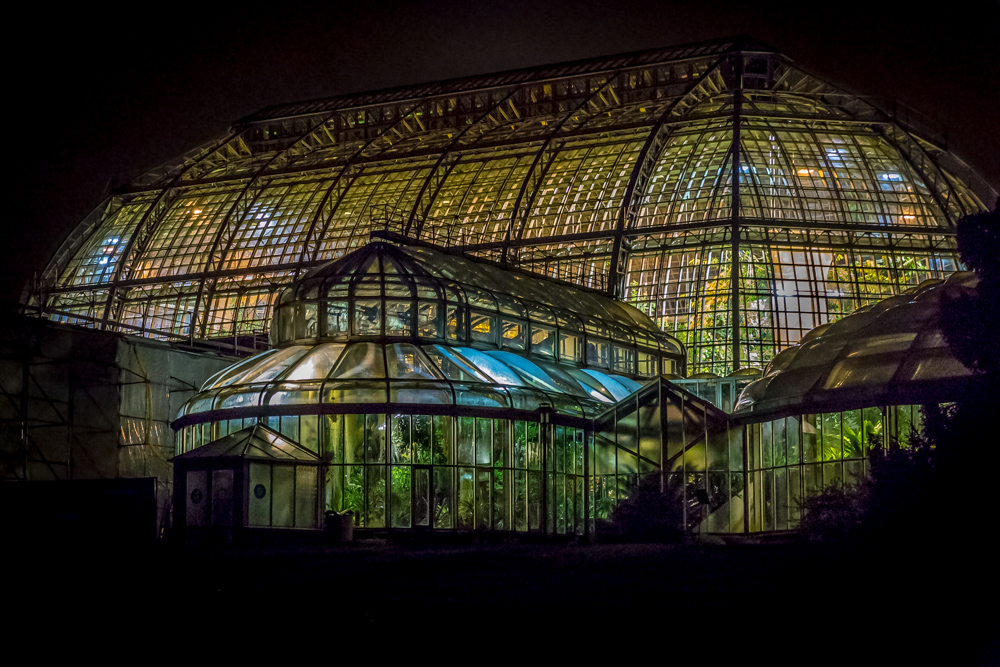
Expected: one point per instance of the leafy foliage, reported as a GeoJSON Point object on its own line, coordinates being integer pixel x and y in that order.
{"type": "Point", "coordinates": [970, 322]}
{"type": "Point", "coordinates": [648, 514]}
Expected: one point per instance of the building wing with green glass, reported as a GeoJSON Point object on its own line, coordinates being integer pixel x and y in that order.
{"type": "Point", "coordinates": [655, 177]}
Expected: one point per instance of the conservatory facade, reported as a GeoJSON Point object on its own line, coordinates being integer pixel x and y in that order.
{"type": "Point", "coordinates": [578, 252]}
{"type": "Point", "coordinates": [404, 391]}
{"type": "Point", "coordinates": [429, 401]}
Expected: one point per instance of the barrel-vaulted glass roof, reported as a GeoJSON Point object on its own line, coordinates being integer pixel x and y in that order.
{"type": "Point", "coordinates": [656, 176]}
{"type": "Point", "coordinates": [336, 375]}
{"type": "Point", "coordinates": [887, 354]}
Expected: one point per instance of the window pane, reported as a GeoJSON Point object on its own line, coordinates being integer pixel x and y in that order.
{"type": "Point", "coordinates": [367, 318]}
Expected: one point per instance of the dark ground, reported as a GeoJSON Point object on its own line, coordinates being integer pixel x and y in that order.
{"type": "Point", "coordinates": [792, 602]}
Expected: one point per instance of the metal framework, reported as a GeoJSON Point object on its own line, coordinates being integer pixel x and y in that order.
{"type": "Point", "coordinates": [734, 198]}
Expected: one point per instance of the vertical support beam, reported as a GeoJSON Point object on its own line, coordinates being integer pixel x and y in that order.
{"type": "Point", "coordinates": [734, 272]}
{"type": "Point", "coordinates": [544, 438]}
{"type": "Point", "coordinates": [588, 442]}
{"type": "Point", "coordinates": [744, 433]}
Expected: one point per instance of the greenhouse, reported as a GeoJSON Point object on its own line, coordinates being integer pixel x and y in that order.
{"type": "Point", "coordinates": [504, 302]}
{"type": "Point", "coordinates": [656, 177]}
{"type": "Point", "coordinates": [437, 391]}
{"type": "Point", "coordinates": [809, 421]}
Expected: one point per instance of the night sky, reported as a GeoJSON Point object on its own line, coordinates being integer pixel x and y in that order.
{"type": "Point", "coordinates": [101, 96]}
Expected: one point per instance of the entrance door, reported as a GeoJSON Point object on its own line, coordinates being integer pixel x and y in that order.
{"type": "Point", "coordinates": [421, 499]}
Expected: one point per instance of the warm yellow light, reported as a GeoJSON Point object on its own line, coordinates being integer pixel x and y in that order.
{"type": "Point", "coordinates": [197, 211]}
{"type": "Point", "coordinates": [803, 172]}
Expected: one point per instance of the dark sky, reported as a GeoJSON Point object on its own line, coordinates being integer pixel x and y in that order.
{"type": "Point", "coordinates": [102, 96]}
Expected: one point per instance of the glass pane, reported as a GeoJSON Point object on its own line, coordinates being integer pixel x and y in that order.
{"type": "Point", "coordinates": [810, 438]}
{"type": "Point", "coordinates": [520, 520]}
{"type": "Point", "coordinates": [196, 503]}
{"type": "Point", "coordinates": [398, 318]}
{"type": "Point", "coordinates": [484, 499]}
{"type": "Point", "coordinates": [333, 438]}
{"type": "Point", "coordinates": [309, 432]}
{"type": "Point", "coordinates": [422, 439]}
{"type": "Point", "coordinates": [335, 489]}
{"type": "Point", "coordinates": [598, 352]}
{"type": "Point", "coordinates": [317, 363]}
{"type": "Point", "coordinates": [354, 492]}
{"type": "Point", "coordinates": [455, 321]}
{"type": "Point", "coordinates": [443, 440]}
{"type": "Point", "coordinates": [482, 327]}
{"type": "Point", "coordinates": [283, 504]}
{"type": "Point", "coordinates": [543, 340]}
{"type": "Point", "coordinates": [406, 362]}
{"type": "Point", "coordinates": [501, 440]}
{"type": "Point", "coordinates": [534, 453]}
{"type": "Point", "coordinates": [375, 496]}
{"type": "Point", "coordinates": [336, 318]}
{"type": "Point", "coordinates": [466, 439]}
{"type": "Point", "coordinates": [520, 445]}
{"type": "Point", "coordinates": [260, 494]}
{"type": "Point", "coordinates": [453, 366]}
{"type": "Point", "coordinates": [360, 360]}
{"type": "Point", "coordinates": [466, 498]}
{"type": "Point", "coordinates": [222, 497]}
{"type": "Point", "coordinates": [400, 497]}
{"type": "Point", "coordinates": [367, 318]}
{"type": "Point", "coordinates": [534, 501]}
{"type": "Point", "coordinates": [512, 334]}
{"type": "Point", "coordinates": [484, 442]}
{"type": "Point", "coordinates": [852, 427]}
{"type": "Point", "coordinates": [792, 435]}
{"type": "Point", "coordinates": [428, 322]}
{"type": "Point", "coordinates": [498, 371]}
{"type": "Point", "coordinates": [443, 493]}
{"type": "Point", "coordinates": [375, 438]}
{"type": "Point", "coordinates": [570, 348]}
{"type": "Point", "coordinates": [833, 442]}
{"type": "Point", "coordinates": [624, 360]}
{"type": "Point", "coordinates": [399, 439]}
{"type": "Point", "coordinates": [560, 502]}
{"type": "Point", "coordinates": [354, 438]}
{"type": "Point", "coordinates": [306, 497]}
{"type": "Point", "coordinates": [421, 481]}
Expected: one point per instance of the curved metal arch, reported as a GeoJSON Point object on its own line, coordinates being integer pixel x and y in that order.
{"type": "Point", "coordinates": [645, 163]}
{"type": "Point", "coordinates": [790, 173]}
{"type": "Point", "coordinates": [445, 164]}
{"type": "Point", "coordinates": [342, 182]}
{"type": "Point", "coordinates": [946, 204]}
{"type": "Point", "coordinates": [235, 218]}
{"type": "Point", "coordinates": [78, 236]}
{"type": "Point", "coordinates": [877, 192]}
{"type": "Point", "coordinates": [145, 229]}
{"type": "Point", "coordinates": [539, 167]}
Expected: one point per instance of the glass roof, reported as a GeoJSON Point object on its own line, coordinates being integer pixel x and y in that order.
{"type": "Point", "coordinates": [621, 173]}
{"type": "Point", "coordinates": [385, 276]}
{"type": "Point", "coordinates": [404, 373]}
{"type": "Point", "coordinates": [890, 353]}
